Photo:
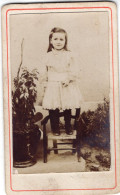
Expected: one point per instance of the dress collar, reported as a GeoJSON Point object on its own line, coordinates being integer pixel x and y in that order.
{"type": "Point", "coordinates": [55, 52]}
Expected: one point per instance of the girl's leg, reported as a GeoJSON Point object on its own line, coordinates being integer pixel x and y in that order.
{"type": "Point", "coordinates": [54, 120]}
{"type": "Point", "coordinates": [77, 116]}
{"type": "Point", "coordinates": [77, 113]}
{"type": "Point", "coordinates": [67, 118]}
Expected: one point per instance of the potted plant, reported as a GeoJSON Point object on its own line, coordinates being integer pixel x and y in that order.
{"type": "Point", "coordinates": [26, 133]}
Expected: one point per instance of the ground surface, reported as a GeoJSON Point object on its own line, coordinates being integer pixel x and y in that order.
{"type": "Point", "coordinates": [92, 159]}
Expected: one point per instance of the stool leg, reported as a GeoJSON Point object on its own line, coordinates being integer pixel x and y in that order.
{"type": "Point", "coordinates": [80, 127]}
{"type": "Point", "coordinates": [78, 149]}
{"type": "Point", "coordinates": [45, 144]}
{"type": "Point", "coordinates": [55, 146]}
{"type": "Point", "coordinates": [74, 146]}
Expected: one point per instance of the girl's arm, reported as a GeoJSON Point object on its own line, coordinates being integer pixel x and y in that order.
{"type": "Point", "coordinates": [74, 70]}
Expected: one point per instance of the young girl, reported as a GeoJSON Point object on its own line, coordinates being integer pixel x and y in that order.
{"type": "Point", "coordinates": [62, 91]}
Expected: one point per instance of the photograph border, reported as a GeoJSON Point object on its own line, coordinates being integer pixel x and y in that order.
{"type": "Point", "coordinates": [8, 82]}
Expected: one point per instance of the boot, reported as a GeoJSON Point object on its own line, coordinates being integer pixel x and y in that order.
{"type": "Point", "coordinates": [54, 120]}
{"type": "Point", "coordinates": [67, 118]}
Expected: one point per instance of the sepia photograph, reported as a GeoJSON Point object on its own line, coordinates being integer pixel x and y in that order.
{"type": "Point", "coordinates": [60, 69]}
{"type": "Point", "coordinates": [62, 88]}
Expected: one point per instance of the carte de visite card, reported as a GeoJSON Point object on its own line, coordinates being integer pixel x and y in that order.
{"type": "Point", "coordinates": [61, 98]}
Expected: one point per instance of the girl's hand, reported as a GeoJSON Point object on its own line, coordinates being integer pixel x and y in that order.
{"type": "Point", "coordinates": [65, 83]}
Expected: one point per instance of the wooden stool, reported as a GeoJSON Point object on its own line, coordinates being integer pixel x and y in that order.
{"type": "Point", "coordinates": [63, 137]}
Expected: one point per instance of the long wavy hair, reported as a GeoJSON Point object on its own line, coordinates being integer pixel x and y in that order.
{"type": "Point", "coordinates": [57, 30]}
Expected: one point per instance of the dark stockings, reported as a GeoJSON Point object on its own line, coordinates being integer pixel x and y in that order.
{"type": "Point", "coordinates": [54, 120]}
{"type": "Point", "coordinates": [67, 118]}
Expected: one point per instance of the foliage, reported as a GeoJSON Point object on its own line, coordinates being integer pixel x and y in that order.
{"type": "Point", "coordinates": [23, 99]}
{"type": "Point", "coordinates": [96, 131]}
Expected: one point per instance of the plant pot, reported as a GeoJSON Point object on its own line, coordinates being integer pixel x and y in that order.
{"type": "Point", "coordinates": [24, 147]}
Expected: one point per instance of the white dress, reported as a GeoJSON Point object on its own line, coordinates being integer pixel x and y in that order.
{"type": "Point", "coordinates": [60, 67]}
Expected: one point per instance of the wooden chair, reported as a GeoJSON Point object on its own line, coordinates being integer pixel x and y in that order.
{"type": "Point", "coordinates": [73, 139]}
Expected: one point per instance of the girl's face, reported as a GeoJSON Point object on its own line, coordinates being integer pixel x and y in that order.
{"type": "Point", "coordinates": [58, 41]}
